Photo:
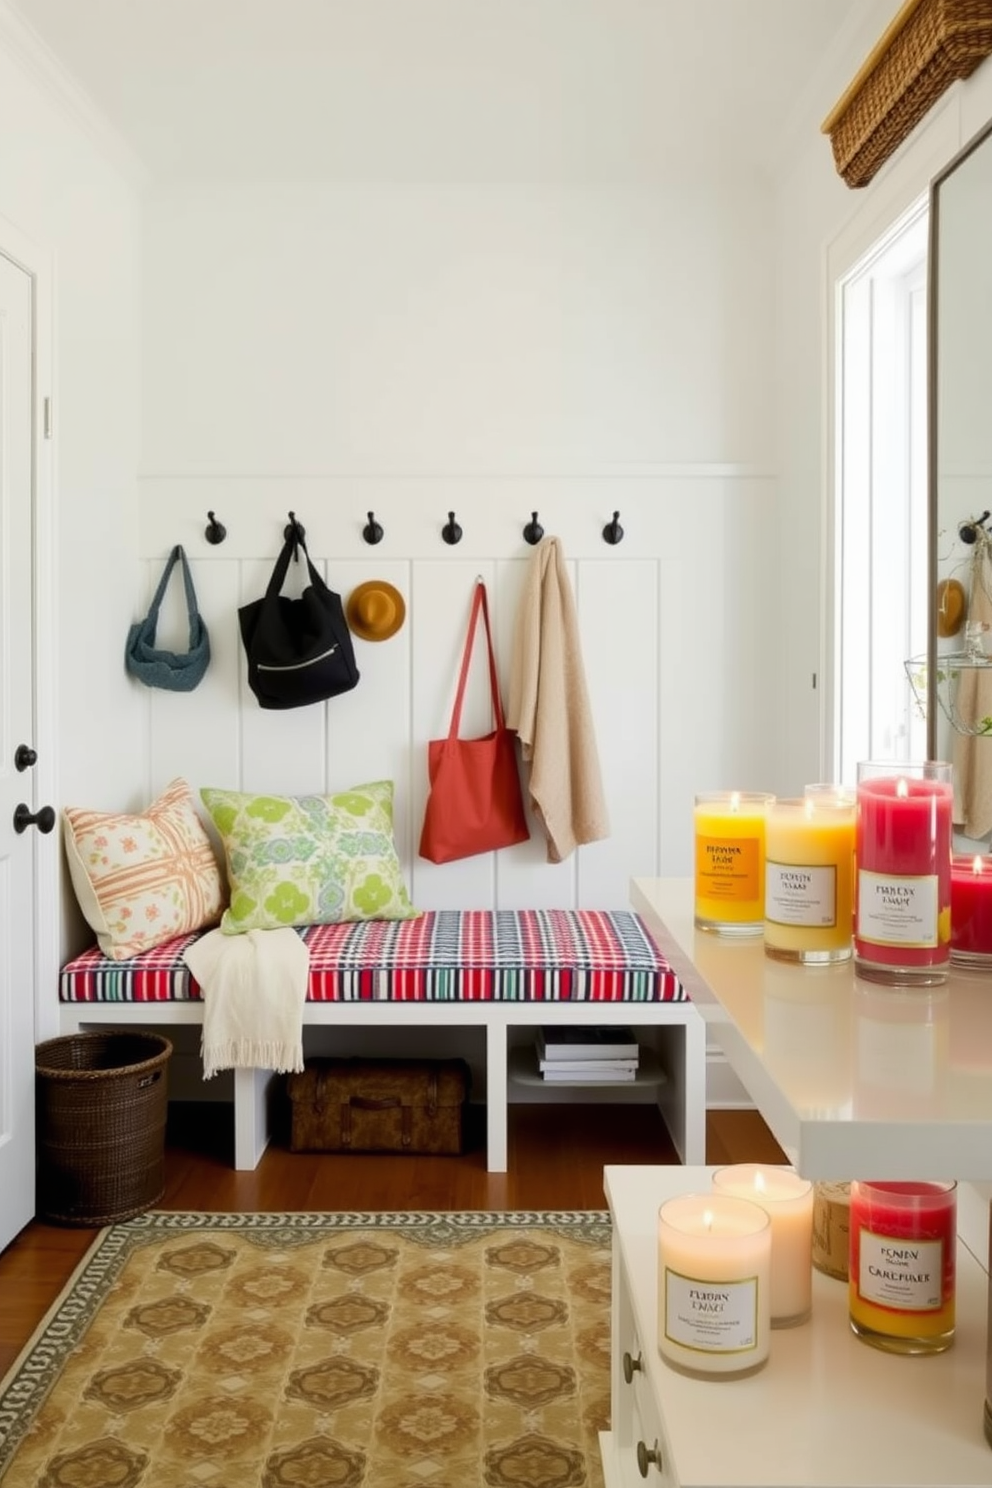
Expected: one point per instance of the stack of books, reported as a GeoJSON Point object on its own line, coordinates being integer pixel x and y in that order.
{"type": "Point", "coordinates": [587, 1054]}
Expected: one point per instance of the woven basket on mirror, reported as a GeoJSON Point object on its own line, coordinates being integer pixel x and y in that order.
{"type": "Point", "coordinates": [101, 1103]}
{"type": "Point", "coordinates": [929, 45]}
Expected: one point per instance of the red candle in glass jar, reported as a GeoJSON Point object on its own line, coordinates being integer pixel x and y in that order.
{"type": "Point", "coordinates": [903, 1243]}
{"type": "Point", "coordinates": [971, 908]}
{"type": "Point", "coordinates": [903, 840]}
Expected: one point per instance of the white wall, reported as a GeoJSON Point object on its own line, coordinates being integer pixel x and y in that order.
{"type": "Point", "coordinates": [492, 350]}
{"type": "Point", "coordinates": [61, 191]}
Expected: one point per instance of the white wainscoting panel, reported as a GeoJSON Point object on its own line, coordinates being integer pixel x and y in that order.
{"type": "Point", "coordinates": [618, 616]}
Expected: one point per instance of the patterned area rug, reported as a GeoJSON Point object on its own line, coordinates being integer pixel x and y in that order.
{"type": "Point", "coordinates": [321, 1351]}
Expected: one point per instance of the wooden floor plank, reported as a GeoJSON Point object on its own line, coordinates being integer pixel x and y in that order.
{"type": "Point", "coordinates": [556, 1158]}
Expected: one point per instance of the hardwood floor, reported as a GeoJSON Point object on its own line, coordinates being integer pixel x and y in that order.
{"type": "Point", "coordinates": [556, 1160]}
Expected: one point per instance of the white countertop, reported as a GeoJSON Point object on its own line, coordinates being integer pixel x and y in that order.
{"type": "Point", "coordinates": [855, 1080]}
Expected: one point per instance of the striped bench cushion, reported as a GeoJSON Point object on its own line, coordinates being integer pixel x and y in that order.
{"type": "Point", "coordinates": [532, 955]}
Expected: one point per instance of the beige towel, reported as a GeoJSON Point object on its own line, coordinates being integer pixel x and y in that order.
{"type": "Point", "coordinates": [972, 753]}
{"type": "Point", "coordinates": [549, 708]}
{"type": "Point", "coordinates": [254, 987]}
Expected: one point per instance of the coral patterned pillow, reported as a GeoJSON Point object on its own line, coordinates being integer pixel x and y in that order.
{"type": "Point", "coordinates": [142, 879]}
{"type": "Point", "coordinates": [309, 860]}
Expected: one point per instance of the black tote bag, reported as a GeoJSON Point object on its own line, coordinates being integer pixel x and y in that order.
{"type": "Point", "coordinates": [299, 650]}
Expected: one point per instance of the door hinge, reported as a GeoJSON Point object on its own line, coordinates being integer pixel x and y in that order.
{"type": "Point", "coordinates": [47, 418]}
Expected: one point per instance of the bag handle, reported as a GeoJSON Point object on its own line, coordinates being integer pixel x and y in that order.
{"type": "Point", "coordinates": [281, 569]}
{"type": "Point", "coordinates": [479, 602]}
{"type": "Point", "coordinates": [192, 613]}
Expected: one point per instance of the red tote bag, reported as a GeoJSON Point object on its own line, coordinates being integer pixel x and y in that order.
{"type": "Point", "coordinates": [474, 804]}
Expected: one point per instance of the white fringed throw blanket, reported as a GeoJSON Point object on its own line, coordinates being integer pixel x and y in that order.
{"type": "Point", "coordinates": [254, 988]}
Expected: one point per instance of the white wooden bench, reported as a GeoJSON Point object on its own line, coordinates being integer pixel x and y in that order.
{"type": "Point", "coordinates": [536, 967]}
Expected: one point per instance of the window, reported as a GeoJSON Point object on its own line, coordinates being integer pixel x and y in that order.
{"type": "Point", "coordinates": [880, 501]}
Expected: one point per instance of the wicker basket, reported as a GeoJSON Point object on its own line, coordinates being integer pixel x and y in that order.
{"type": "Point", "coordinates": [928, 46]}
{"type": "Point", "coordinates": [101, 1108]}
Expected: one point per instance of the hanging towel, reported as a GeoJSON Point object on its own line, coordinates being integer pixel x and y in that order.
{"type": "Point", "coordinates": [549, 708]}
{"type": "Point", "coordinates": [972, 756]}
{"type": "Point", "coordinates": [254, 987]}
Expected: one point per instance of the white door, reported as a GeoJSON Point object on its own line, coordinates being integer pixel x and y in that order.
{"type": "Point", "coordinates": [17, 849]}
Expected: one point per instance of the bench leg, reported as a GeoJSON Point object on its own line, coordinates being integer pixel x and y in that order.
{"type": "Point", "coordinates": [251, 1126]}
{"type": "Point", "coordinates": [496, 1097]}
{"type": "Point", "coordinates": [682, 1099]}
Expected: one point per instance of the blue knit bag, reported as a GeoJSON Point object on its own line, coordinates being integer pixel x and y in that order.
{"type": "Point", "coordinates": [176, 671]}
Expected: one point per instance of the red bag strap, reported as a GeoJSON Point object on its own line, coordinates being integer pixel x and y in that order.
{"type": "Point", "coordinates": [479, 602]}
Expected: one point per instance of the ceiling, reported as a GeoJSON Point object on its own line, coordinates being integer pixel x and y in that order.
{"type": "Point", "coordinates": [448, 90]}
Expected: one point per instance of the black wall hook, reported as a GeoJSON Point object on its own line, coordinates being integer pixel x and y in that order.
{"type": "Point", "coordinates": [451, 532]}
{"type": "Point", "coordinates": [613, 532]}
{"type": "Point", "coordinates": [533, 532]}
{"type": "Point", "coordinates": [968, 531]}
{"type": "Point", "coordinates": [295, 532]}
{"type": "Point", "coordinates": [215, 532]}
{"type": "Point", "coordinates": [372, 531]}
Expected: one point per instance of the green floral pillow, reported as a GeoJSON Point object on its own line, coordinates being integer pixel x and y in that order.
{"type": "Point", "coordinates": [309, 860]}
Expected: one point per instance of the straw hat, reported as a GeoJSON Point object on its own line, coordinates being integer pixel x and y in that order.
{"type": "Point", "coordinates": [950, 607]}
{"type": "Point", "coordinates": [375, 610]}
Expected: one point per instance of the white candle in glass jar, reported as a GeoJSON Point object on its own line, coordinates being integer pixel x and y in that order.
{"type": "Point", "coordinates": [714, 1261]}
{"type": "Point", "coordinates": [788, 1201]}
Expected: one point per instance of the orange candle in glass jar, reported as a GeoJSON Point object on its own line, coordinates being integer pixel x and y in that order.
{"type": "Point", "coordinates": [730, 861]}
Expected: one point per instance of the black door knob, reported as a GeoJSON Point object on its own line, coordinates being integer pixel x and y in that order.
{"type": "Point", "coordinates": [24, 817]}
{"type": "Point", "coordinates": [25, 757]}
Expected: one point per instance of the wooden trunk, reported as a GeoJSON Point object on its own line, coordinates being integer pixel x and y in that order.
{"type": "Point", "coordinates": [379, 1105]}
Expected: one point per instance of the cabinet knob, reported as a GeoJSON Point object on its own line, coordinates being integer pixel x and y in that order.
{"type": "Point", "coordinates": [631, 1366]}
{"type": "Point", "coordinates": [645, 1458]}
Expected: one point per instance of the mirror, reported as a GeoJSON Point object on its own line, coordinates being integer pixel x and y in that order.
{"type": "Point", "coordinates": [958, 688]}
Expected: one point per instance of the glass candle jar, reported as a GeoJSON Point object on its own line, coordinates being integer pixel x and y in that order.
{"type": "Point", "coordinates": [831, 793]}
{"type": "Point", "coordinates": [902, 1265]}
{"type": "Point", "coordinates": [730, 861]}
{"type": "Point", "coordinates": [971, 911]}
{"type": "Point", "coordinates": [714, 1258]}
{"type": "Point", "coordinates": [832, 1228]}
{"type": "Point", "coordinates": [788, 1201]}
{"type": "Point", "coordinates": [809, 879]}
{"type": "Point", "coordinates": [902, 930]}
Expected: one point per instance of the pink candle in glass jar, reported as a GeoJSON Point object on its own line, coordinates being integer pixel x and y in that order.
{"type": "Point", "coordinates": [971, 910]}
{"type": "Point", "coordinates": [902, 849]}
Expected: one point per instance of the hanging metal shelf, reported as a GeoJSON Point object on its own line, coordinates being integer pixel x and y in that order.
{"type": "Point", "coordinates": [950, 668]}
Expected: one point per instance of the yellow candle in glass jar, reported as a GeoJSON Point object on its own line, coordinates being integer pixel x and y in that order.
{"type": "Point", "coordinates": [809, 879]}
{"type": "Point", "coordinates": [730, 861]}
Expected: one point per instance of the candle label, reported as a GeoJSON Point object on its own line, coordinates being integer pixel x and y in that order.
{"type": "Point", "coordinates": [902, 1274]}
{"type": "Point", "coordinates": [897, 911]}
{"type": "Point", "coordinates": [796, 895]}
{"type": "Point", "coordinates": [716, 1317]}
{"type": "Point", "coordinates": [728, 868]}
